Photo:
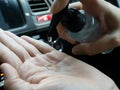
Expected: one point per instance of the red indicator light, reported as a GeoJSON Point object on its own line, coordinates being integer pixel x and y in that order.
{"type": "Point", "coordinates": [44, 18]}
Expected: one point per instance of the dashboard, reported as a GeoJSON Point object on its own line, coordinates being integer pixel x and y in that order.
{"type": "Point", "coordinates": [20, 16]}
{"type": "Point", "coordinates": [32, 17]}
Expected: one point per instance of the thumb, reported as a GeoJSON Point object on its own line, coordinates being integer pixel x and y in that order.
{"type": "Point", "coordinates": [82, 49]}
{"type": "Point", "coordinates": [10, 72]}
{"type": "Point", "coordinates": [87, 49]}
{"type": "Point", "coordinates": [104, 44]}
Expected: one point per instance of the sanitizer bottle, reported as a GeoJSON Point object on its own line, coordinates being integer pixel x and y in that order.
{"type": "Point", "coordinates": [81, 26]}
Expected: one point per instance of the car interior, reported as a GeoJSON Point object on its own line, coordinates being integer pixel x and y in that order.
{"type": "Point", "coordinates": [33, 17]}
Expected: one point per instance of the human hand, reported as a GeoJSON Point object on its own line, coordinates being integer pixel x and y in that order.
{"type": "Point", "coordinates": [109, 19]}
{"type": "Point", "coordinates": [33, 65]}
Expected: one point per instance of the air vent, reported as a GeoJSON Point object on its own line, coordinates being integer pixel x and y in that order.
{"type": "Point", "coordinates": [38, 5]}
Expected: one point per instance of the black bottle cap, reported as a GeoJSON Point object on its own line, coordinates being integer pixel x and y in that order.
{"type": "Point", "coordinates": [73, 20]}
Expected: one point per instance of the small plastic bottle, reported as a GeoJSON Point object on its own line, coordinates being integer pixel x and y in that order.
{"type": "Point", "coordinates": [86, 29]}
{"type": "Point", "coordinates": [82, 27]}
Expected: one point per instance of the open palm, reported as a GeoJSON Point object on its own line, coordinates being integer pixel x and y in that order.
{"type": "Point", "coordinates": [34, 65]}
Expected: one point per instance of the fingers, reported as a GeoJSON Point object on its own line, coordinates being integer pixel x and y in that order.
{"type": "Point", "coordinates": [9, 72]}
{"type": "Point", "coordinates": [30, 48]}
{"type": "Point", "coordinates": [63, 34]}
{"type": "Point", "coordinates": [7, 56]}
{"type": "Point", "coordinates": [40, 45]}
{"type": "Point", "coordinates": [58, 5]}
{"type": "Point", "coordinates": [76, 5]}
{"type": "Point", "coordinates": [12, 79]}
{"type": "Point", "coordinates": [13, 46]}
{"type": "Point", "coordinates": [105, 43]}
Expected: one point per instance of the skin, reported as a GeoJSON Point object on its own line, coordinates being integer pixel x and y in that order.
{"type": "Point", "coordinates": [109, 19]}
{"type": "Point", "coordinates": [30, 64]}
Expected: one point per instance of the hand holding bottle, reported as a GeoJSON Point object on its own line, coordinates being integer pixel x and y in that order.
{"type": "Point", "coordinates": [108, 17]}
